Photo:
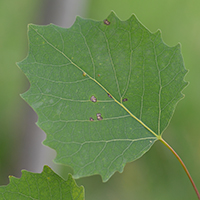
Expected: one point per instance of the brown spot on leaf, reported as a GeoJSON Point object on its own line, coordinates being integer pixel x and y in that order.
{"type": "Point", "coordinates": [99, 117]}
{"type": "Point", "coordinates": [106, 22]}
{"type": "Point", "coordinates": [109, 96]}
{"type": "Point", "coordinates": [93, 99]}
{"type": "Point", "coordinates": [125, 99]}
{"type": "Point", "coordinates": [91, 119]}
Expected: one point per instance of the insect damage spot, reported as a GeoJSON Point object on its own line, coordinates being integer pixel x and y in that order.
{"type": "Point", "coordinates": [125, 99]}
{"type": "Point", "coordinates": [93, 99]}
{"type": "Point", "coordinates": [99, 117]}
{"type": "Point", "coordinates": [91, 119]}
{"type": "Point", "coordinates": [109, 95]}
{"type": "Point", "coordinates": [106, 22]}
{"type": "Point", "coordinates": [84, 74]}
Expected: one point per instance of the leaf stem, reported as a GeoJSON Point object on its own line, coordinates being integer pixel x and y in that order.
{"type": "Point", "coordinates": [183, 165]}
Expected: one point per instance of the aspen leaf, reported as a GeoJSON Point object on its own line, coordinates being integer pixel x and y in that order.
{"type": "Point", "coordinates": [104, 91]}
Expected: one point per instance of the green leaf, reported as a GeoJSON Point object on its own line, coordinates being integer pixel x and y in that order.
{"type": "Point", "coordinates": [46, 185]}
{"type": "Point", "coordinates": [114, 68]}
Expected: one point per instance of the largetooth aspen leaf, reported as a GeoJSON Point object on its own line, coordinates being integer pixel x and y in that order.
{"type": "Point", "coordinates": [138, 70]}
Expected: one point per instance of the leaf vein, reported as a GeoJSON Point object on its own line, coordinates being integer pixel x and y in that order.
{"type": "Point", "coordinates": [88, 52]}
{"type": "Point", "coordinates": [111, 60]}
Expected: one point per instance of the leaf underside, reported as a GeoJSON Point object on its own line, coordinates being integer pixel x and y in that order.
{"type": "Point", "coordinates": [104, 91]}
{"type": "Point", "coordinates": [46, 185]}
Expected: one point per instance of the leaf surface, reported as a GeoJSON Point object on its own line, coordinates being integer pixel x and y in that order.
{"type": "Point", "coordinates": [46, 185]}
{"type": "Point", "coordinates": [104, 91]}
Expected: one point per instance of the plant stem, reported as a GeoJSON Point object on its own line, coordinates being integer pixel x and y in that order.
{"type": "Point", "coordinates": [183, 165]}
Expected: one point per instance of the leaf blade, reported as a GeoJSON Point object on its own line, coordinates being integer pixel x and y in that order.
{"type": "Point", "coordinates": [46, 185]}
{"type": "Point", "coordinates": [124, 66]}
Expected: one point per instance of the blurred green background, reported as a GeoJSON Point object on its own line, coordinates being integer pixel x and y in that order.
{"type": "Point", "coordinates": [14, 17]}
{"type": "Point", "coordinates": [157, 175]}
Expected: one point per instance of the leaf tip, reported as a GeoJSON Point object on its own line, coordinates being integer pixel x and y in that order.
{"type": "Point", "coordinates": [46, 167]}
{"type": "Point", "coordinates": [158, 32]}
{"type": "Point", "coordinates": [112, 15]}
{"type": "Point", "coordinates": [29, 26]}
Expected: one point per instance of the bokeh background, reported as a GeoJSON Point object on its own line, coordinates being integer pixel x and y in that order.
{"type": "Point", "coordinates": [157, 175]}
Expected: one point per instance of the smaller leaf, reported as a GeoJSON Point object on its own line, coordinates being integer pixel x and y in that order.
{"type": "Point", "coordinates": [46, 185]}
